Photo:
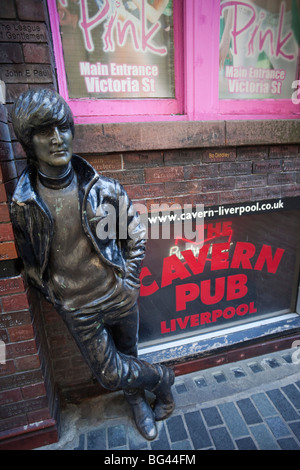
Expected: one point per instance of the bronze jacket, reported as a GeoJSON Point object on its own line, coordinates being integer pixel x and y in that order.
{"type": "Point", "coordinates": [33, 225]}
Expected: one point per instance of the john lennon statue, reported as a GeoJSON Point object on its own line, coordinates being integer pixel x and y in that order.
{"type": "Point", "coordinates": [92, 282]}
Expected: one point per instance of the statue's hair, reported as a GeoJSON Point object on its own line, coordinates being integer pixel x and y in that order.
{"type": "Point", "coordinates": [36, 109]}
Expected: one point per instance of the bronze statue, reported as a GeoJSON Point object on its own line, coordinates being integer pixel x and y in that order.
{"type": "Point", "coordinates": [93, 282]}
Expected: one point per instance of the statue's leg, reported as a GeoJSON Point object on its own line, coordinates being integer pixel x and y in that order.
{"type": "Point", "coordinates": [125, 336]}
{"type": "Point", "coordinates": [115, 370]}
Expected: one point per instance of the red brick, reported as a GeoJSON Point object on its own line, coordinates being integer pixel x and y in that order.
{"type": "Point", "coordinates": [252, 153]}
{"type": "Point", "coordinates": [6, 232]}
{"type": "Point", "coordinates": [22, 348]}
{"type": "Point", "coordinates": [290, 190]}
{"type": "Point", "coordinates": [281, 178]}
{"type": "Point", "coordinates": [182, 187]}
{"type": "Point", "coordinates": [219, 155]}
{"type": "Point", "coordinates": [37, 416]}
{"type": "Point", "coordinates": [267, 166]}
{"type": "Point", "coordinates": [3, 197]}
{"type": "Point", "coordinates": [208, 199]}
{"type": "Point", "coordinates": [235, 168]}
{"type": "Point", "coordinates": [15, 302]}
{"type": "Point", "coordinates": [218, 184]}
{"type": "Point", "coordinates": [126, 176]}
{"type": "Point", "coordinates": [11, 53]}
{"type": "Point", "coordinates": [8, 9]}
{"type": "Point", "coordinates": [8, 251]}
{"type": "Point", "coordinates": [8, 368]}
{"type": "Point", "coordinates": [6, 152]}
{"type": "Point", "coordinates": [145, 190]}
{"type": "Point", "coordinates": [11, 285]}
{"type": "Point", "coordinates": [266, 193]}
{"type": "Point", "coordinates": [8, 320]}
{"type": "Point", "coordinates": [4, 213]}
{"type": "Point", "coordinates": [27, 363]}
{"type": "Point", "coordinates": [291, 165]}
{"type": "Point", "coordinates": [21, 379]}
{"type": "Point", "coordinates": [21, 333]}
{"type": "Point", "coordinates": [230, 197]}
{"type": "Point", "coordinates": [106, 163]}
{"type": "Point", "coordinates": [251, 181]}
{"type": "Point", "coordinates": [13, 423]}
{"type": "Point", "coordinates": [142, 160]}
{"type": "Point", "coordinates": [36, 53]}
{"type": "Point", "coordinates": [10, 396]}
{"type": "Point", "coordinates": [283, 151]}
{"type": "Point", "coordinates": [200, 171]}
{"type": "Point", "coordinates": [34, 391]}
{"type": "Point", "coordinates": [22, 407]}
{"type": "Point", "coordinates": [183, 157]}
{"type": "Point", "coordinates": [160, 175]}
{"type": "Point", "coordinates": [31, 10]}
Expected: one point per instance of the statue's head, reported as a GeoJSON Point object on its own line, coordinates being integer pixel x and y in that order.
{"type": "Point", "coordinates": [35, 113]}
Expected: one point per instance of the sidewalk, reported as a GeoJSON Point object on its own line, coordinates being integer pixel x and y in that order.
{"type": "Point", "coordinates": [252, 404]}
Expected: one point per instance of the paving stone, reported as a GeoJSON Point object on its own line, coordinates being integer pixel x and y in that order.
{"type": "Point", "coordinates": [293, 394]}
{"type": "Point", "coordinates": [245, 443]}
{"type": "Point", "coordinates": [161, 443]}
{"type": "Point", "coordinates": [238, 373]}
{"type": "Point", "coordinates": [197, 430]}
{"type": "Point", "coordinates": [255, 367]}
{"type": "Point", "coordinates": [116, 436]}
{"type": "Point", "coordinates": [182, 445]}
{"type": "Point", "coordinates": [273, 363]}
{"type": "Point", "coordinates": [180, 388]}
{"type": "Point", "coordinates": [249, 411]}
{"type": "Point", "coordinates": [220, 377]}
{"type": "Point", "coordinates": [287, 358]}
{"type": "Point", "coordinates": [295, 427]}
{"type": "Point", "coordinates": [264, 405]}
{"type": "Point", "coordinates": [288, 443]}
{"type": "Point", "coordinates": [176, 429]}
{"type": "Point", "coordinates": [212, 416]}
{"type": "Point", "coordinates": [222, 439]}
{"type": "Point", "coordinates": [96, 440]}
{"type": "Point", "coordinates": [283, 406]}
{"type": "Point", "coordinates": [81, 442]}
{"type": "Point", "coordinates": [277, 426]}
{"type": "Point", "coordinates": [264, 437]}
{"type": "Point", "coordinates": [200, 382]}
{"type": "Point", "coordinates": [233, 420]}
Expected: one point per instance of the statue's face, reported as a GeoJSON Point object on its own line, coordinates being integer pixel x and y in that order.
{"type": "Point", "coordinates": [53, 145]}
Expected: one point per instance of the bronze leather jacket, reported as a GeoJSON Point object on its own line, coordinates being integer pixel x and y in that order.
{"type": "Point", "coordinates": [33, 225]}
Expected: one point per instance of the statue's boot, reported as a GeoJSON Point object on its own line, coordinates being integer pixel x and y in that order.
{"type": "Point", "coordinates": [142, 413]}
{"type": "Point", "coordinates": [164, 403]}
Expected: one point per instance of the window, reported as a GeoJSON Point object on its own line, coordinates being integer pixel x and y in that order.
{"type": "Point", "coordinates": [246, 269]}
{"type": "Point", "coordinates": [191, 60]}
{"type": "Point", "coordinates": [118, 58]}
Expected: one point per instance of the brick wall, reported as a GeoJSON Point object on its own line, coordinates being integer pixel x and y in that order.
{"type": "Point", "coordinates": [209, 163]}
{"type": "Point", "coordinates": [28, 400]}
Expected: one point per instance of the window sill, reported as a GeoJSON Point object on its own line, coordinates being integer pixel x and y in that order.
{"type": "Point", "coordinates": [145, 136]}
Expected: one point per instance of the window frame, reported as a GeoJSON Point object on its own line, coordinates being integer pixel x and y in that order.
{"type": "Point", "coordinates": [118, 110]}
{"type": "Point", "coordinates": [207, 104]}
{"type": "Point", "coordinates": [196, 78]}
